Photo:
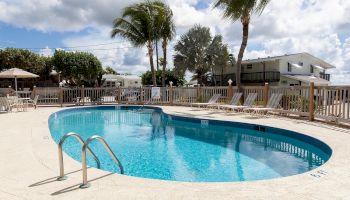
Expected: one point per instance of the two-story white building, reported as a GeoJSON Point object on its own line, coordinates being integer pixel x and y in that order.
{"type": "Point", "coordinates": [286, 70]}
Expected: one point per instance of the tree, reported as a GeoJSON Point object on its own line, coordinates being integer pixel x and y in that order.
{"type": "Point", "coordinates": [199, 53]}
{"type": "Point", "coordinates": [22, 59]}
{"type": "Point", "coordinates": [109, 70]}
{"type": "Point", "coordinates": [190, 53]}
{"type": "Point", "coordinates": [26, 60]}
{"type": "Point", "coordinates": [78, 68]}
{"type": "Point", "coordinates": [169, 76]}
{"type": "Point", "coordinates": [165, 31]}
{"type": "Point", "coordinates": [218, 58]}
{"type": "Point", "coordinates": [137, 25]}
{"type": "Point", "coordinates": [241, 10]}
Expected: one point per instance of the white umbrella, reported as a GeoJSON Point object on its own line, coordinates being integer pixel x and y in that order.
{"type": "Point", "coordinates": [17, 73]}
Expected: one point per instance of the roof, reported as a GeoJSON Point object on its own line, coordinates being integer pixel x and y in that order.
{"type": "Point", "coordinates": [308, 79]}
{"type": "Point", "coordinates": [114, 77]}
{"type": "Point", "coordinates": [325, 64]}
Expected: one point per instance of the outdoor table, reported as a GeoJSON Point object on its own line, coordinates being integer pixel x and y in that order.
{"type": "Point", "coordinates": [24, 94]}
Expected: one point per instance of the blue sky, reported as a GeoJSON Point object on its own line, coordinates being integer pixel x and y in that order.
{"type": "Point", "coordinates": [24, 38]}
{"type": "Point", "coordinates": [319, 27]}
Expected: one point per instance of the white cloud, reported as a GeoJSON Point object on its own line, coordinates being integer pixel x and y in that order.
{"type": "Point", "coordinates": [118, 53]}
{"type": "Point", "coordinates": [60, 15]}
{"type": "Point", "coordinates": [314, 26]}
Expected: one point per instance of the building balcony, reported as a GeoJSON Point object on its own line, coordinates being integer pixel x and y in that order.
{"type": "Point", "coordinates": [225, 78]}
{"type": "Point", "coordinates": [325, 76]}
{"type": "Point", "coordinates": [260, 77]}
{"type": "Point", "coordinates": [254, 77]}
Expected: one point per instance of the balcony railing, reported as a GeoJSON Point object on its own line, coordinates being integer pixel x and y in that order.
{"type": "Point", "coordinates": [225, 78]}
{"type": "Point", "coordinates": [260, 77]}
{"type": "Point", "coordinates": [325, 76]}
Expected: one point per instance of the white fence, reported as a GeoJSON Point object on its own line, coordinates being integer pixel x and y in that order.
{"type": "Point", "coordinates": [329, 102]}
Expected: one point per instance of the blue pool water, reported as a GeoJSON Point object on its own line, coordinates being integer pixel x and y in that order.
{"type": "Point", "coordinates": [154, 145]}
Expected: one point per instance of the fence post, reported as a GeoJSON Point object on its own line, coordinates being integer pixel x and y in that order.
{"type": "Point", "coordinates": [119, 94]}
{"type": "Point", "coordinates": [171, 93]}
{"type": "Point", "coordinates": [82, 94]}
{"type": "Point", "coordinates": [61, 96]}
{"type": "Point", "coordinates": [199, 93]}
{"type": "Point", "coordinates": [266, 94]}
{"type": "Point", "coordinates": [229, 90]}
{"type": "Point", "coordinates": [311, 101]}
{"type": "Point", "coordinates": [141, 95]}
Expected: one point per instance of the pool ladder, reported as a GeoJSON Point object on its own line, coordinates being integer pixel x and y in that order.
{"type": "Point", "coordinates": [85, 148]}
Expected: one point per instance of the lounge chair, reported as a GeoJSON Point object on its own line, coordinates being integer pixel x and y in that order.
{"type": "Point", "coordinates": [34, 101]}
{"type": "Point", "coordinates": [233, 102]}
{"type": "Point", "coordinates": [212, 101]}
{"type": "Point", "coordinates": [272, 105]}
{"type": "Point", "coordinates": [248, 102]}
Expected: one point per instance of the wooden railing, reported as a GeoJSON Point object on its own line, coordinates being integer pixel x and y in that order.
{"type": "Point", "coordinates": [332, 103]}
{"type": "Point", "coordinates": [329, 103]}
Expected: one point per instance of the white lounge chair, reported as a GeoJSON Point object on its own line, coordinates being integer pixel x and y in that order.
{"type": "Point", "coordinates": [233, 102]}
{"type": "Point", "coordinates": [248, 103]}
{"type": "Point", "coordinates": [212, 101]}
{"type": "Point", "coordinates": [272, 105]}
{"type": "Point", "coordinates": [34, 101]}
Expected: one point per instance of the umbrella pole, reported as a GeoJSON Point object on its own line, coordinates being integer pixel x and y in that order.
{"type": "Point", "coordinates": [16, 84]}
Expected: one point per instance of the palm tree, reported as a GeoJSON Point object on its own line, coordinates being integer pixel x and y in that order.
{"type": "Point", "coordinates": [165, 30]}
{"type": "Point", "coordinates": [137, 25]}
{"type": "Point", "coordinates": [218, 57]}
{"type": "Point", "coordinates": [191, 53]}
{"type": "Point", "coordinates": [241, 10]}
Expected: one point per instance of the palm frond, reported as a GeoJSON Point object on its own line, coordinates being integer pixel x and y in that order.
{"type": "Point", "coordinates": [238, 9]}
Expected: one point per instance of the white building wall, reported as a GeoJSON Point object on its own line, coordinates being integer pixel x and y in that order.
{"type": "Point", "coordinates": [123, 80]}
{"type": "Point", "coordinates": [298, 59]}
{"type": "Point", "coordinates": [259, 67]}
{"type": "Point", "coordinates": [284, 81]}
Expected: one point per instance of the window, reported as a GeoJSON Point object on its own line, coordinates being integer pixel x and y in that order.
{"type": "Point", "coordinates": [311, 69]}
{"type": "Point", "coordinates": [301, 63]}
{"type": "Point", "coordinates": [249, 66]}
{"type": "Point", "coordinates": [289, 67]}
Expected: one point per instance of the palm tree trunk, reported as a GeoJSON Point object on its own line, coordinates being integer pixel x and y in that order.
{"type": "Point", "coordinates": [199, 77]}
{"type": "Point", "coordinates": [157, 54]}
{"type": "Point", "coordinates": [150, 54]}
{"type": "Point", "coordinates": [245, 23]}
{"type": "Point", "coordinates": [213, 80]}
{"type": "Point", "coordinates": [164, 46]}
{"type": "Point", "coordinates": [222, 77]}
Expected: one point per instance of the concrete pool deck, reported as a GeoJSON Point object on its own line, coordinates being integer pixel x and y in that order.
{"type": "Point", "coordinates": [29, 166]}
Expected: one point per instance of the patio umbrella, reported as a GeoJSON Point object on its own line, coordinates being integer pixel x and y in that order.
{"type": "Point", "coordinates": [17, 73]}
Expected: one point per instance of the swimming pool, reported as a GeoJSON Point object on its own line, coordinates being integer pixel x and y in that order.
{"type": "Point", "coordinates": [152, 144]}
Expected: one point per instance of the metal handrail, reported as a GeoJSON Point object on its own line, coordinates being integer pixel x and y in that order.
{"type": "Point", "coordinates": [60, 153]}
{"type": "Point", "coordinates": [106, 146]}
